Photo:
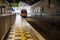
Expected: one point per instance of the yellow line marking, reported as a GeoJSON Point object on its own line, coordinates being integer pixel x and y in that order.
{"type": "Point", "coordinates": [22, 34]}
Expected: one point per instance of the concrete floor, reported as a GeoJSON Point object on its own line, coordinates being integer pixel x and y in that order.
{"type": "Point", "coordinates": [22, 30]}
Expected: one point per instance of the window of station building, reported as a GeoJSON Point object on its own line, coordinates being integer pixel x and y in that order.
{"type": "Point", "coordinates": [53, 3]}
{"type": "Point", "coordinates": [38, 9]}
{"type": "Point", "coordinates": [42, 9]}
{"type": "Point", "coordinates": [49, 2]}
{"type": "Point", "coordinates": [2, 9]}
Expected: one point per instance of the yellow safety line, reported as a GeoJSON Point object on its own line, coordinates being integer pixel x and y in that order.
{"type": "Point", "coordinates": [22, 34]}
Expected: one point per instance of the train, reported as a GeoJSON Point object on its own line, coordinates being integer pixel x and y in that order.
{"type": "Point", "coordinates": [24, 13]}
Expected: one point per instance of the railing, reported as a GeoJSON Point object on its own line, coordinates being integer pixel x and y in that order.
{"type": "Point", "coordinates": [6, 21]}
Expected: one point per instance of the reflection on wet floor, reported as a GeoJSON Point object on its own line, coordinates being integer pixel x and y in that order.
{"type": "Point", "coordinates": [21, 30]}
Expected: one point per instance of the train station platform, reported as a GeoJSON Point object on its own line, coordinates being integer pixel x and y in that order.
{"type": "Point", "coordinates": [22, 30]}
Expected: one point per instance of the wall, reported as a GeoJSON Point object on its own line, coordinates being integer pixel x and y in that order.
{"type": "Point", "coordinates": [49, 11]}
{"type": "Point", "coordinates": [44, 8]}
{"type": "Point", "coordinates": [6, 22]}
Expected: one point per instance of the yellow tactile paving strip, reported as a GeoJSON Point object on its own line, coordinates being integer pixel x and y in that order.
{"type": "Point", "coordinates": [21, 31]}
{"type": "Point", "coordinates": [19, 34]}
{"type": "Point", "coordinates": [29, 33]}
